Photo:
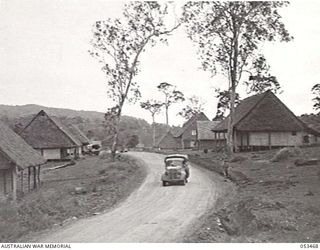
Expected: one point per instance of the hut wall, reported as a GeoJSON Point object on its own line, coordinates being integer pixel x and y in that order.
{"type": "Point", "coordinates": [207, 144]}
{"type": "Point", "coordinates": [286, 139]}
{"type": "Point", "coordinates": [169, 142]}
{"type": "Point", "coordinates": [257, 139]}
{"type": "Point", "coordinates": [5, 182]}
{"type": "Point", "coordinates": [276, 139]}
{"type": "Point", "coordinates": [52, 154]}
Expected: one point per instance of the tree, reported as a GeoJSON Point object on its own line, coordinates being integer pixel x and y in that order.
{"type": "Point", "coordinates": [316, 91]}
{"type": "Point", "coordinates": [171, 96]}
{"type": "Point", "coordinates": [229, 35]}
{"type": "Point", "coordinates": [224, 102]}
{"type": "Point", "coordinates": [194, 106]}
{"type": "Point", "coordinates": [154, 107]}
{"type": "Point", "coordinates": [133, 141]}
{"type": "Point", "coordinates": [118, 45]}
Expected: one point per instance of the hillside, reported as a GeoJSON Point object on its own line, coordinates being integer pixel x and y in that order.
{"type": "Point", "coordinates": [90, 122]}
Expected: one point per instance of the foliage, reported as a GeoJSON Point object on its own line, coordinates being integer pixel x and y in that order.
{"type": "Point", "coordinates": [153, 106]}
{"type": "Point", "coordinates": [229, 35]}
{"type": "Point", "coordinates": [316, 91]}
{"type": "Point", "coordinates": [224, 102]}
{"type": "Point", "coordinates": [118, 44]}
{"type": "Point", "coordinates": [194, 106]}
{"type": "Point", "coordinates": [172, 95]}
{"type": "Point", "coordinates": [133, 141]}
{"type": "Point", "coordinates": [260, 80]}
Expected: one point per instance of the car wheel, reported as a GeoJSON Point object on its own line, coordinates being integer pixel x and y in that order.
{"type": "Point", "coordinates": [164, 183]}
{"type": "Point", "coordinates": [183, 182]}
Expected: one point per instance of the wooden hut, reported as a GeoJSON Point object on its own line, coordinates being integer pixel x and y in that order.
{"type": "Point", "coordinates": [51, 137]}
{"type": "Point", "coordinates": [17, 161]}
{"type": "Point", "coordinates": [185, 137]}
{"type": "Point", "coordinates": [82, 138]}
{"type": "Point", "coordinates": [206, 138]}
{"type": "Point", "coordinates": [262, 121]}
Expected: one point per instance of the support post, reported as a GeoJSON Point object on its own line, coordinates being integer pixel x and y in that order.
{"type": "Point", "coordinates": [14, 183]}
{"type": "Point", "coordinates": [29, 173]}
{"type": "Point", "coordinates": [34, 178]}
{"type": "Point", "coordinates": [21, 178]}
{"type": "Point", "coordinates": [269, 140]}
{"type": "Point", "coordinates": [4, 181]}
{"type": "Point", "coordinates": [39, 182]}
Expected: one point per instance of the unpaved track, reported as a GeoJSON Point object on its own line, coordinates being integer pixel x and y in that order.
{"type": "Point", "coordinates": [152, 213]}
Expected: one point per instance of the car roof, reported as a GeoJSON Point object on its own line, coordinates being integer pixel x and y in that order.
{"type": "Point", "coordinates": [177, 156]}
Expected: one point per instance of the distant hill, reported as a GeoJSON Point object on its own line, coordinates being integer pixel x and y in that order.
{"type": "Point", "coordinates": [90, 122]}
{"type": "Point", "coordinates": [24, 110]}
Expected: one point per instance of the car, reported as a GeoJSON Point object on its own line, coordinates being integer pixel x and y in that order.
{"type": "Point", "coordinates": [176, 170]}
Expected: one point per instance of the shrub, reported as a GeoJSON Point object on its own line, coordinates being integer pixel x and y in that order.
{"type": "Point", "coordinates": [285, 153]}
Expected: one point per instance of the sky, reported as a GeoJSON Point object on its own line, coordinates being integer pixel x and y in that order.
{"type": "Point", "coordinates": [44, 59]}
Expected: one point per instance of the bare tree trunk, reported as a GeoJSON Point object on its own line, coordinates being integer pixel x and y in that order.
{"type": "Point", "coordinates": [115, 139]}
{"type": "Point", "coordinates": [230, 142]}
{"type": "Point", "coordinates": [167, 116]}
{"type": "Point", "coordinates": [153, 132]}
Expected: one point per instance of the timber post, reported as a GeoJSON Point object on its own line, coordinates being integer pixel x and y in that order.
{"type": "Point", "coordinates": [14, 183]}
{"type": "Point", "coordinates": [29, 173]}
{"type": "Point", "coordinates": [39, 182]}
{"type": "Point", "coordinates": [21, 179]}
{"type": "Point", "coordinates": [34, 178]}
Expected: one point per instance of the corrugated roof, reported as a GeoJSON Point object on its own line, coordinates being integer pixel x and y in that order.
{"type": "Point", "coordinates": [262, 112]}
{"type": "Point", "coordinates": [16, 150]}
{"type": "Point", "coordinates": [204, 130]}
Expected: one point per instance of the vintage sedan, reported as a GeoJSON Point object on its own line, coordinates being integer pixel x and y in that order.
{"type": "Point", "coordinates": [176, 170]}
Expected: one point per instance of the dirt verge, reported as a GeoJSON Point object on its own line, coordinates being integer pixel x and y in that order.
{"type": "Point", "coordinates": [88, 188]}
{"type": "Point", "coordinates": [270, 202]}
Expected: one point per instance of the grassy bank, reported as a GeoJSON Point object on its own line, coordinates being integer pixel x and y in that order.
{"type": "Point", "coordinates": [271, 201]}
{"type": "Point", "coordinates": [91, 186]}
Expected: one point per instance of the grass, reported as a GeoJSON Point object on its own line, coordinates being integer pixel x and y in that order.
{"type": "Point", "coordinates": [271, 202]}
{"type": "Point", "coordinates": [102, 184]}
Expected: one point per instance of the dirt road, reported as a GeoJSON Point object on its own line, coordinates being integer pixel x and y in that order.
{"type": "Point", "coordinates": [151, 214]}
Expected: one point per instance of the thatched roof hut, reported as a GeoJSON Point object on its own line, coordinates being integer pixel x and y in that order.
{"type": "Point", "coordinates": [16, 155]}
{"type": "Point", "coordinates": [53, 138]}
{"type": "Point", "coordinates": [45, 131]}
{"type": "Point", "coordinates": [262, 112]}
{"type": "Point", "coordinates": [263, 121]}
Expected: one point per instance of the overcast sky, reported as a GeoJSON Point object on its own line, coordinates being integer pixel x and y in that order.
{"type": "Point", "coordinates": [44, 58]}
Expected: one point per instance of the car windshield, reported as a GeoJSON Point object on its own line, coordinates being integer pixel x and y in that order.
{"type": "Point", "coordinates": [174, 162]}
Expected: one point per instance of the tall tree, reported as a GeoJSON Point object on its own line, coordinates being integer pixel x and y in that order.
{"type": "Point", "coordinates": [224, 102]}
{"type": "Point", "coordinates": [172, 95]}
{"type": "Point", "coordinates": [194, 106]}
{"type": "Point", "coordinates": [118, 45]}
{"type": "Point", "coordinates": [316, 91]}
{"type": "Point", "coordinates": [154, 107]}
{"type": "Point", "coordinates": [229, 35]}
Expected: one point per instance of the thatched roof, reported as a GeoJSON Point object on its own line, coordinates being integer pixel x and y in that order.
{"type": "Point", "coordinates": [16, 150]}
{"type": "Point", "coordinates": [312, 121]}
{"type": "Point", "coordinates": [79, 134]}
{"type": "Point", "coordinates": [262, 112]}
{"type": "Point", "coordinates": [46, 131]}
{"type": "Point", "coordinates": [204, 129]}
{"type": "Point", "coordinates": [197, 117]}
